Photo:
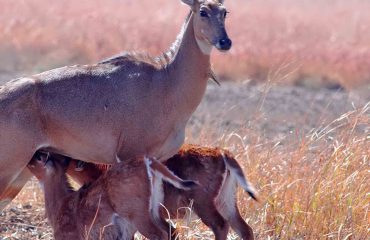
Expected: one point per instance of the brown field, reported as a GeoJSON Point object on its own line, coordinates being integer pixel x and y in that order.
{"type": "Point", "coordinates": [307, 150]}
{"type": "Point", "coordinates": [305, 42]}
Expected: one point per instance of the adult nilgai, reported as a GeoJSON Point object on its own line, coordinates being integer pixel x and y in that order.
{"type": "Point", "coordinates": [120, 108]}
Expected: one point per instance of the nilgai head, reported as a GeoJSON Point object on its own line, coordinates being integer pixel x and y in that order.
{"type": "Point", "coordinates": [209, 23]}
{"type": "Point", "coordinates": [41, 164]}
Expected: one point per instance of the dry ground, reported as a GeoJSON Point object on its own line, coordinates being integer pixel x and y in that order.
{"type": "Point", "coordinates": [306, 150]}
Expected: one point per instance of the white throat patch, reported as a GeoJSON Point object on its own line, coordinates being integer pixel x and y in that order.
{"type": "Point", "coordinates": [204, 46]}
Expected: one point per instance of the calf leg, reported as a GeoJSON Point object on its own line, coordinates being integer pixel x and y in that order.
{"type": "Point", "coordinates": [168, 228]}
{"type": "Point", "coordinates": [240, 226]}
{"type": "Point", "coordinates": [212, 218]}
{"type": "Point", "coordinates": [147, 228]}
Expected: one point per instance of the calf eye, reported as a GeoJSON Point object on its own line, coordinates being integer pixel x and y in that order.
{"type": "Point", "coordinates": [203, 13]}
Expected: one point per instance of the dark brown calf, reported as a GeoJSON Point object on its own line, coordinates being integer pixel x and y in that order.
{"type": "Point", "coordinates": [120, 202]}
{"type": "Point", "coordinates": [214, 201]}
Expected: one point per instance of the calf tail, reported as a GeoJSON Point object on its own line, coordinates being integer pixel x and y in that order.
{"type": "Point", "coordinates": [159, 169]}
{"type": "Point", "coordinates": [233, 166]}
{"type": "Point", "coordinates": [157, 173]}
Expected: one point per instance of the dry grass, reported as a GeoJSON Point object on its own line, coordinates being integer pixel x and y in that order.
{"type": "Point", "coordinates": [315, 187]}
{"type": "Point", "coordinates": [319, 41]}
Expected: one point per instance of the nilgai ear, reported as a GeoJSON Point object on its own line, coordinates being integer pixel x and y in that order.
{"type": "Point", "coordinates": [189, 2]}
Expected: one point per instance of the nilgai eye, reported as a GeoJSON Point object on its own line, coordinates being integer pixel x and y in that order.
{"type": "Point", "coordinates": [225, 14]}
{"type": "Point", "coordinates": [203, 13]}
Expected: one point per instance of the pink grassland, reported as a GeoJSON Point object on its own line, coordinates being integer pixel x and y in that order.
{"type": "Point", "coordinates": [305, 41]}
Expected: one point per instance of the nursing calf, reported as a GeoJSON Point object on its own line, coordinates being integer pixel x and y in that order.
{"type": "Point", "coordinates": [115, 206]}
{"type": "Point", "coordinates": [214, 201]}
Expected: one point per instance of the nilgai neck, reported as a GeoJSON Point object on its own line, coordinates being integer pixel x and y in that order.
{"type": "Point", "coordinates": [189, 68]}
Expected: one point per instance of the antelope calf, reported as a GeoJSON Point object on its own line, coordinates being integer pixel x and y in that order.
{"type": "Point", "coordinates": [116, 205]}
{"type": "Point", "coordinates": [214, 201]}
{"type": "Point", "coordinates": [218, 174]}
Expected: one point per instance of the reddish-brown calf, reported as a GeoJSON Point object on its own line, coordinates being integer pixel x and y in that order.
{"type": "Point", "coordinates": [120, 202]}
{"type": "Point", "coordinates": [214, 201]}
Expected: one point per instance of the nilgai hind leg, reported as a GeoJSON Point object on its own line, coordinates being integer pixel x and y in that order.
{"type": "Point", "coordinates": [14, 157]}
{"type": "Point", "coordinates": [21, 133]}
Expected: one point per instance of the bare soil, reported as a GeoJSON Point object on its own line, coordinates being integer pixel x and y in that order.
{"type": "Point", "coordinates": [271, 112]}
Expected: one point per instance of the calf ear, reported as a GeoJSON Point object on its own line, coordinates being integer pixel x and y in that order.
{"type": "Point", "coordinates": [66, 161]}
{"type": "Point", "coordinates": [188, 2]}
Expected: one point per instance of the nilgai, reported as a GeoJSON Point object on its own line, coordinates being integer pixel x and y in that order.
{"type": "Point", "coordinates": [119, 203]}
{"type": "Point", "coordinates": [214, 201]}
{"type": "Point", "coordinates": [121, 108]}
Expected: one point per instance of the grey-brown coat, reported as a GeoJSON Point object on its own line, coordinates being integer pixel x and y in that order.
{"type": "Point", "coordinates": [115, 110]}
